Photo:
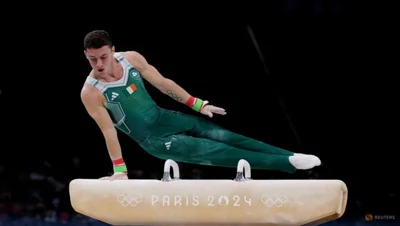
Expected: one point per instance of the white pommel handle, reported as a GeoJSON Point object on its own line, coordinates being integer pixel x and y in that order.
{"type": "Point", "coordinates": [243, 165]}
{"type": "Point", "coordinates": [167, 167]}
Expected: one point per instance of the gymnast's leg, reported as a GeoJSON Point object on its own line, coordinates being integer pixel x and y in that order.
{"type": "Point", "coordinates": [206, 129]}
{"type": "Point", "coordinates": [175, 123]}
{"type": "Point", "coordinates": [203, 151]}
{"type": "Point", "coordinates": [172, 122]}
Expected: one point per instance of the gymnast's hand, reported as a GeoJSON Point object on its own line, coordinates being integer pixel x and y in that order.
{"type": "Point", "coordinates": [210, 109]}
{"type": "Point", "coordinates": [116, 176]}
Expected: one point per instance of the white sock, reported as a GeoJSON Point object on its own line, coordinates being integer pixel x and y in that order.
{"type": "Point", "coordinates": [318, 161]}
{"type": "Point", "coordinates": [303, 161]}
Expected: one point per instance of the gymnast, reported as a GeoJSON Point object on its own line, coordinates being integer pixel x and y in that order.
{"type": "Point", "coordinates": [115, 97]}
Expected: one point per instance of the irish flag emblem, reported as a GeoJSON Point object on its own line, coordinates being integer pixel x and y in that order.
{"type": "Point", "coordinates": [131, 88]}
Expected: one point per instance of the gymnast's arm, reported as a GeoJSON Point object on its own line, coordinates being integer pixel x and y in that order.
{"type": "Point", "coordinates": [94, 104]}
{"type": "Point", "coordinates": [154, 77]}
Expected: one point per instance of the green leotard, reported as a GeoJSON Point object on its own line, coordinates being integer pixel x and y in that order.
{"type": "Point", "coordinates": [173, 135]}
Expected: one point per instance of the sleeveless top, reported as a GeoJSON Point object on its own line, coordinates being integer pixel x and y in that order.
{"type": "Point", "coordinates": [131, 108]}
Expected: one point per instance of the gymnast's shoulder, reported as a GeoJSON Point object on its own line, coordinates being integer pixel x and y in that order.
{"type": "Point", "coordinates": [88, 89]}
{"type": "Point", "coordinates": [131, 55]}
{"type": "Point", "coordinates": [135, 58]}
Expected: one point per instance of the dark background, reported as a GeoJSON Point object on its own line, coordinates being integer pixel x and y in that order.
{"type": "Point", "coordinates": [323, 86]}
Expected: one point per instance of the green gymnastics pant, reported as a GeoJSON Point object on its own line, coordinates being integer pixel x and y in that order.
{"type": "Point", "coordinates": [189, 139]}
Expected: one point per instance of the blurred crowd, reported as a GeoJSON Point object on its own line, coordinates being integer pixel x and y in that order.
{"type": "Point", "coordinates": [36, 197]}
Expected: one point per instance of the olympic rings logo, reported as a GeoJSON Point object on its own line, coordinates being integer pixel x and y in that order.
{"type": "Point", "coordinates": [274, 200]}
{"type": "Point", "coordinates": [124, 200]}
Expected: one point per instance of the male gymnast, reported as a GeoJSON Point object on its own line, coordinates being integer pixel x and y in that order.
{"type": "Point", "coordinates": [115, 97]}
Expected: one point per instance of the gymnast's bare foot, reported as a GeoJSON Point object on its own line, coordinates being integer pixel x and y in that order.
{"type": "Point", "coordinates": [304, 162]}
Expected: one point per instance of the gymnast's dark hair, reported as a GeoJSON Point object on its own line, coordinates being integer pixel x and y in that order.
{"type": "Point", "coordinates": [97, 39]}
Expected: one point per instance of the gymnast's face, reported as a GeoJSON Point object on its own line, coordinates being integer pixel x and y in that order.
{"type": "Point", "coordinates": [100, 59]}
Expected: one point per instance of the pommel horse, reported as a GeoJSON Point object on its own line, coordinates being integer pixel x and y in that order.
{"type": "Point", "coordinates": [241, 201]}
